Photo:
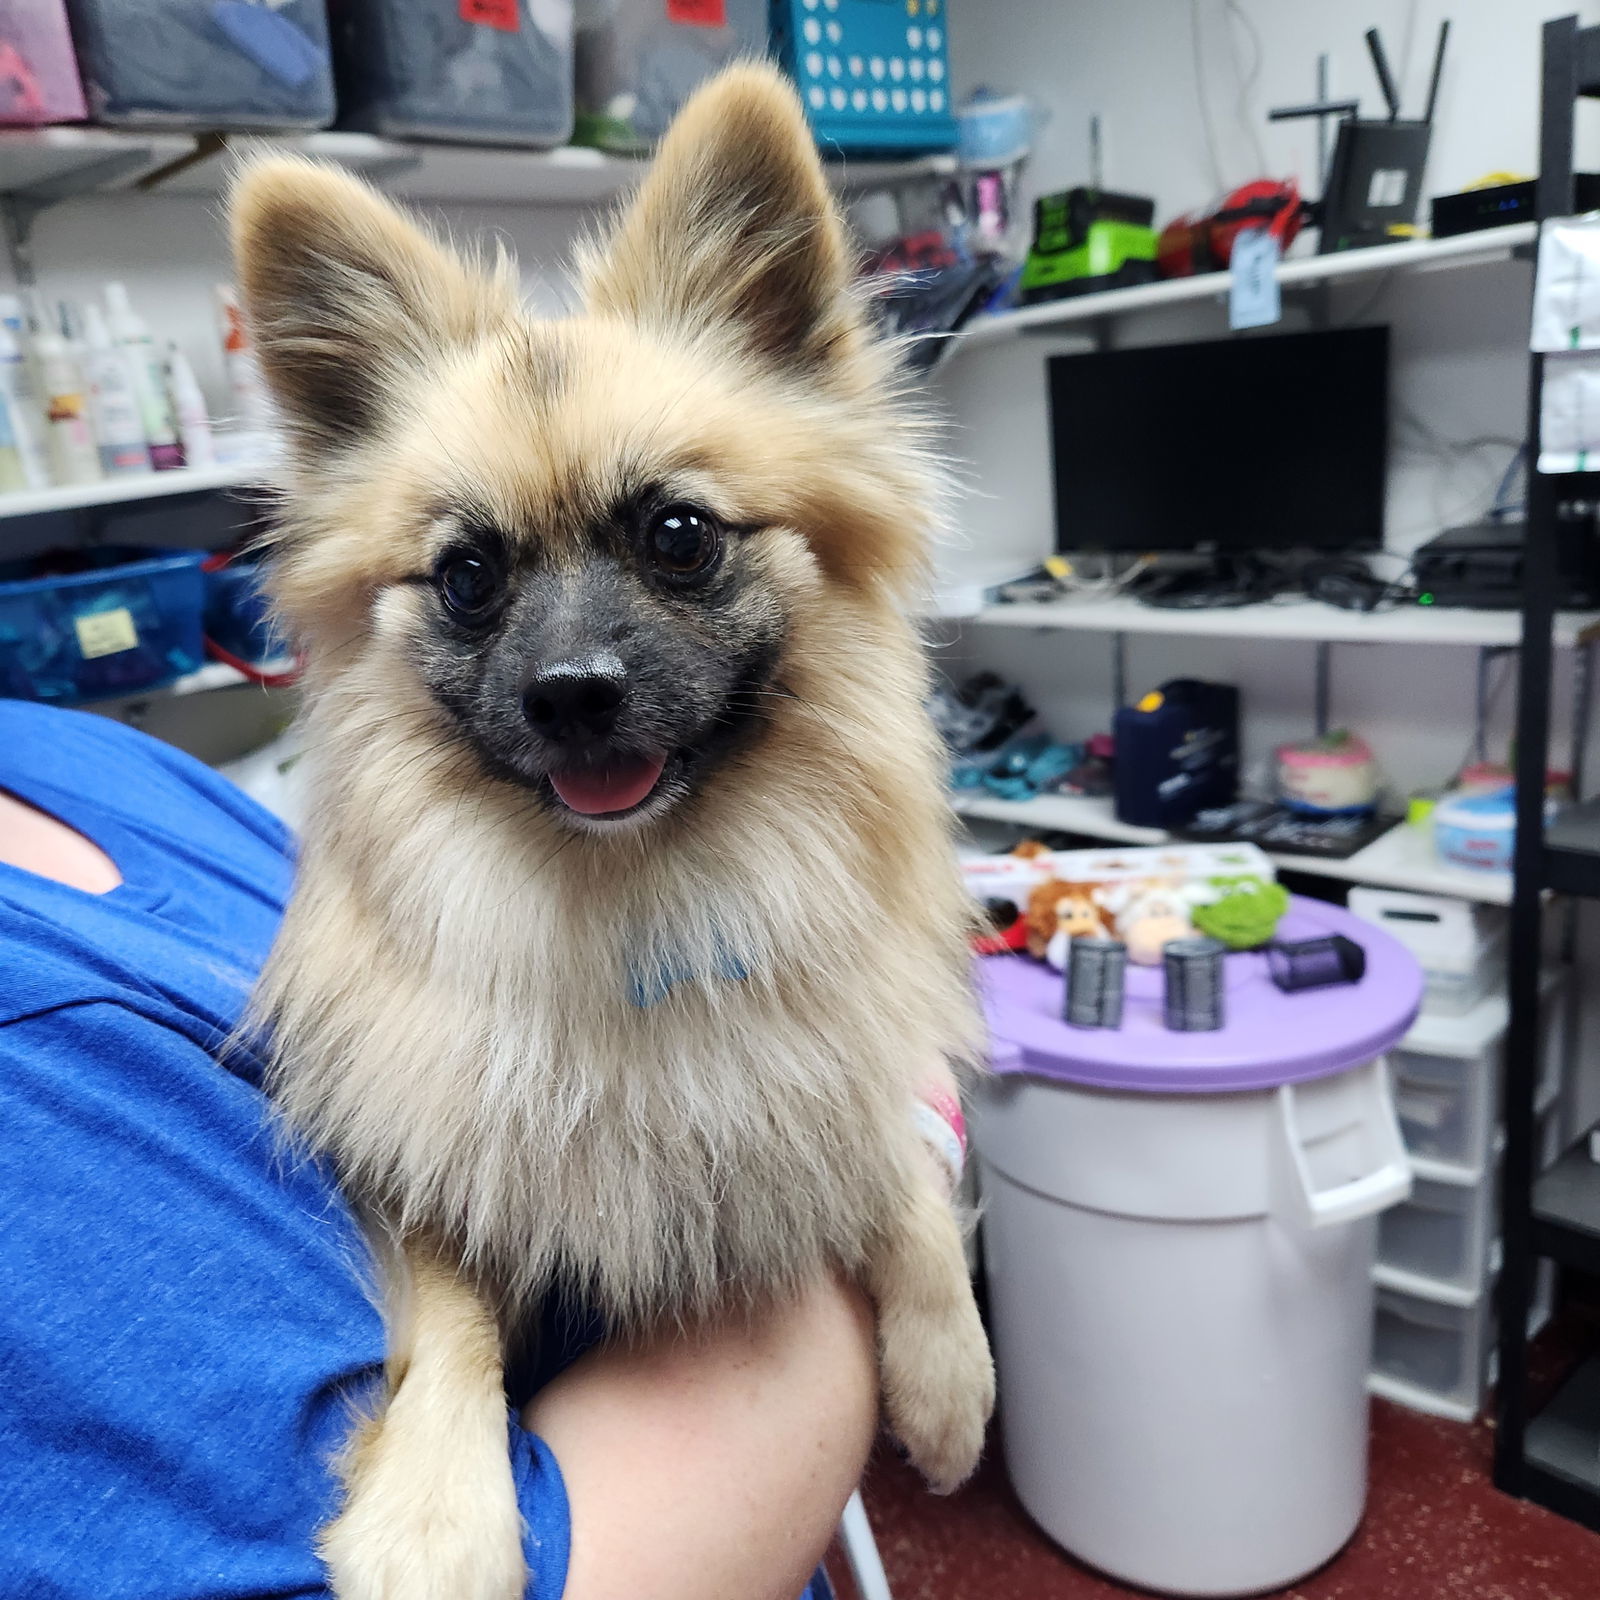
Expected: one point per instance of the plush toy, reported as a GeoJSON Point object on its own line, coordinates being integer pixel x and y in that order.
{"type": "Point", "coordinates": [1059, 912]}
{"type": "Point", "coordinates": [1149, 915]}
{"type": "Point", "coordinates": [1245, 912]}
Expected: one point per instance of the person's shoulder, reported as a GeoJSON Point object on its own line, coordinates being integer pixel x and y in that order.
{"type": "Point", "coordinates": [87, 754]}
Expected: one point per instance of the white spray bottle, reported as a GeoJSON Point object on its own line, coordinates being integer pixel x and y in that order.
{"type": "Point", "coordinates": [194, 423]}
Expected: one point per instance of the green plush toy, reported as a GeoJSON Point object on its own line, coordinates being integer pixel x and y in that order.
{"type": "Point", "coordinates": [1245, 913]}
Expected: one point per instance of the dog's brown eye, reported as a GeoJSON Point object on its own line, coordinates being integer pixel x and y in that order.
{"type": "Point", "coordinates": [469, 586]}
{"type": "Point", "coordinates": [684, 542]}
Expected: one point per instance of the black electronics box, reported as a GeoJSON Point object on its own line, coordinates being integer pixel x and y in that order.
{"type": "Point", "coordinates": [1481, 565]}
{"type": "Point", "coordinates": [1504, 204]}
{"type": "Point", "coordinates": [1177, 753]}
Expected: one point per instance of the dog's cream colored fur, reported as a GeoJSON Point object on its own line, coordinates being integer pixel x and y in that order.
{"type": "Point", "coordinates": [449, 997]}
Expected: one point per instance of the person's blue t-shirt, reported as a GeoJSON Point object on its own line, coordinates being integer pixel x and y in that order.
{"type": "Point", "coordinates": [183, 1327]}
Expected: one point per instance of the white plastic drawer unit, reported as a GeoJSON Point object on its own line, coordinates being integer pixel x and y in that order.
{"type": "Point", "coordinates": [1445, 1232]}
{"type": "Point", "coordinates": [1460, 947]}
{"type": "Point", "coordinates": [1446, 1104]}
{"type": "Point", "coordinates": [1442, 1233]}
{"type": "Point", "coordinates": [1438, 1356]}
{"type": "Point", "coordinates": [1439, 1351]}
{"type": "Point", "coordinates": [1446, 1077]}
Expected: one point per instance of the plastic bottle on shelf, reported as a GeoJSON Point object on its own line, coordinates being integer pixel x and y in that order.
{"type": "Point", "coordinates": [12, 477]}
{"type": "Point", "coordinates": [113, 400]}
{"type": "Point", "coordinates": [149, 377]}
{"type": "Point", "coordinates": [25, 416]}
{"type": "Point", "coordinates": [69, 437]}
{"type": "Point", "coordinates": [247, 391]}
{"type": "Point", "coordinates": [189, 405]}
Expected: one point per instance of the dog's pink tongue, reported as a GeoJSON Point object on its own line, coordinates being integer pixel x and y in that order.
{"type": "Point", "coordinates": [618, 788]}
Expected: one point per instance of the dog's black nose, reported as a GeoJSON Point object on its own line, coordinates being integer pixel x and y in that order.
{"type": "Point", "coordinates": [575, 699]}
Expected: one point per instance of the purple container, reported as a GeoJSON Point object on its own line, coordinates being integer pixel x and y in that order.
{"type": "Point", "coordinates": [1270, 1037]}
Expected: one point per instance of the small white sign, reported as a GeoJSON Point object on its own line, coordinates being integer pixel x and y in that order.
{"type": "Point", "coordinates": [1253, 299]}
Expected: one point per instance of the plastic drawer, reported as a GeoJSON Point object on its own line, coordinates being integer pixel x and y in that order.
{"type": "Point", "coordinates": [130, 622]}
{"type": "Point", "coordinates": [205, 63]}
{"type": "Point", "coordinates": [1446, 1104]}
{"type": "Point", "coordinates": [1440, 1350]}
{"type": "Point", "coordinates": [475, 72]}
{"type": "Point", "coordinates": [1447, 1076]}
{"type": "Point", "coordinates": [1442, 1233]}
{"type": "Point", "coordinates": [1439, 1357]}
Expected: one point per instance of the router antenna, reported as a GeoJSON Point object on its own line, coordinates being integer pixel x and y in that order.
{"type": "Point", "coordinates": [1438, 67]}
{"type": "Point", "coordinates": [1380, 65]}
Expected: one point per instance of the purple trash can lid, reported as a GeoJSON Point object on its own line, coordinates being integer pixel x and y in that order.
{"type": "Point", "coordinates": [1270, 1037]}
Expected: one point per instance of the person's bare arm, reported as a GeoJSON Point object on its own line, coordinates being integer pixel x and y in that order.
{"type": "Point", "coordinates": [715, 1466]}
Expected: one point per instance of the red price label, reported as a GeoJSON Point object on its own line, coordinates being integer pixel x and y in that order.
{"type": "Point", "coordinates": [501, 14]}
{"type": "Point", "coordinates": [698, 13]}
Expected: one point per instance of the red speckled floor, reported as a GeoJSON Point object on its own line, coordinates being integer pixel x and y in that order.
{"type": "Point", "coordinates": [1435, 1529]}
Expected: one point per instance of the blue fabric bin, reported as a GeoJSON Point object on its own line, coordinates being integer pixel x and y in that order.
{"type": "Point", "coordinates": [130, 621]}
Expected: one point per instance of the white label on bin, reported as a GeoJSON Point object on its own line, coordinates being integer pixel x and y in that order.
{"type": "Point", "coordinates": [105, 633]}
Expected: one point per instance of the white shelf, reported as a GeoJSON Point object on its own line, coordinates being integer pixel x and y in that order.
{"type": "Point", "coordinates": [116, 491]}
{"type": "Point", "coordinates": [1402, 858]}
{"type": "Point", "coordinates": [1070, 813]}
{"type": "Point", "coordinates": [1417, 255]}
{"type": "Point", "coordinates": [1286, 619]}
{"type": "Point", "coordinates": [55, 162]}
{"type": "Point", "coordinates": [52, 163]}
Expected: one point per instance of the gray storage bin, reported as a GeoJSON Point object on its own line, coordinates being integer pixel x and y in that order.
{"type": "Point", "coordinates": [205, 63]}
{"type": "Point", "coordinates": [464, 71]}
{"type": "Point", "coordinates": [636, 65]}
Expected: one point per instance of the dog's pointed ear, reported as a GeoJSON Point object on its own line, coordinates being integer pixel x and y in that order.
{"type": "Point", "coordinates": [735, 231]}
{"type": "Point", "coordinates": [347, 297]}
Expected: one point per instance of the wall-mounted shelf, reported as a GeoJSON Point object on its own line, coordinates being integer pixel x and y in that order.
{"type": "Point", "coordinates": [50, 164]}
{"type": "Point", "coordinates": [1402, 858]}
{"type": "Point", "coordinates": [118, 491]}
{"type": "Point", "coordinates": [1079, 313]}
{"type": "Point", "coordinates": [1300, 620]}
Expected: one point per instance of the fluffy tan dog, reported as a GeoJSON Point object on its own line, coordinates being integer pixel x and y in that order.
{"type": "Point", "coordinates": [620, 772]}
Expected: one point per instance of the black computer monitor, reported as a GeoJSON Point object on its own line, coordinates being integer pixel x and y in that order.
{"type": "Point", "coordinates": [1259, 443]}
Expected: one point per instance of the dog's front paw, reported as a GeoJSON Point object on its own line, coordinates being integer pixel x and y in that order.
{"type": "Point", "coordinates": [938, 1390]}
{"type": "Point", "coordinates": [419, 1529]}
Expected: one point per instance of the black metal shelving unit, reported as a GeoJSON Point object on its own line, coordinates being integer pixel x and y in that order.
{"type": "Point", "coordinates": [1553, 1456]}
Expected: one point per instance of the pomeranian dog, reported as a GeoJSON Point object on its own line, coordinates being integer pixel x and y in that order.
{"type": "Point", "coordinates": [627, 919]}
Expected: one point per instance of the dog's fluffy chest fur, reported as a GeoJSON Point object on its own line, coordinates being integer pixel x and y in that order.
{"type": "Point", "coordinates": [652, 1074]}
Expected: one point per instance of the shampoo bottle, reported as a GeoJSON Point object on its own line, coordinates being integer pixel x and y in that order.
{"type": "Point", "coordinates": [113, 402]}
{"type": "Point", "coordinates": [69, 438]}
{"type": "Point", "coordinates": [145, 368]}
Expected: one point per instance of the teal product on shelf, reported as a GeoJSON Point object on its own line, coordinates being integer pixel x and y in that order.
{"type": "Point", "coordinates": [129, 621]}
{"type": "Point", "coordinates": [874, 75]}
{"type": "Point", "coordinates": [463, 71]}
{"type": "Point", "coordinates": [1088, 239]}
{"type": "Point", "coordinates": [204, 64]}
